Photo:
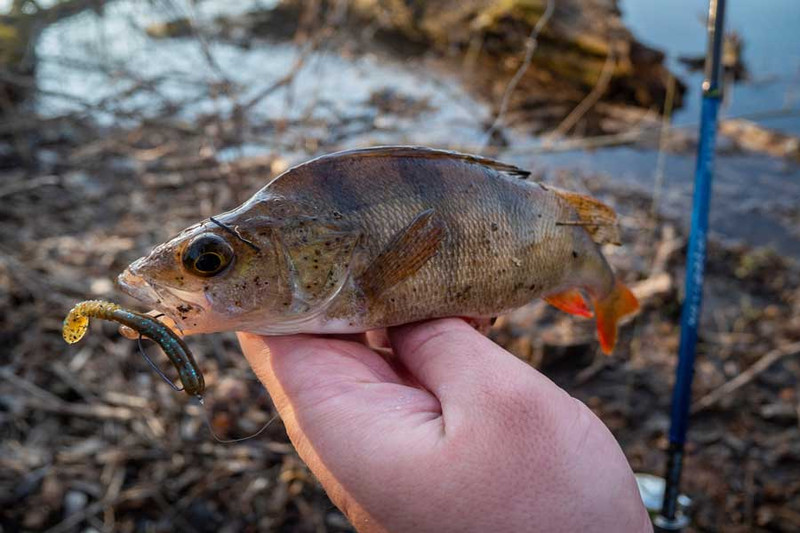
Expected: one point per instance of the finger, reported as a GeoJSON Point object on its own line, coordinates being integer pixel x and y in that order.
{"type": "Point", "coordinates": [295, 373]}
{"type": "Point", "coordinates": [378, 338]}
{"type": "Point", "coordinates": [306, 367]}
{"type": "Point", "coordinates": [456, 363]}
{"type": "Point", "coordinates": [340, 401]}
{"type": "Point", "coordinates": [335, 386]}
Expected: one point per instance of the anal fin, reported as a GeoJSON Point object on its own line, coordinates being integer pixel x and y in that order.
{"type": "Point", "coordinates": [570, 301]}
{"type": "Point", "coordinates": [405, 254]}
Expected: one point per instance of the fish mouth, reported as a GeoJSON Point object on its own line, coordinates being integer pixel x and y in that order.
{"type": "Point", "coordinates": [178, 305]}
{"type": "Point", "coordinates": [138, 287]}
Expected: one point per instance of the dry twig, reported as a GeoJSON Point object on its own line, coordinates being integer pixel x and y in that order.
{"type": "Point", "coordinates": [530, 47]}
{"type": "Point", "coordinates": [745, 377]}
{"type": "Point", "coordinates": [591, 99]}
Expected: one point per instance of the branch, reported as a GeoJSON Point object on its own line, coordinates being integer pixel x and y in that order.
{"type": "Point", "coordinates": [591, 98]}
{"type": "Point", "coordinates": [530, 48]}
{"type": "Point", "coordinates": [745, 377]}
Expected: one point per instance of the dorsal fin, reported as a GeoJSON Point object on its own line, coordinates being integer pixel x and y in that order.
{"type": "Point", "coordinates": [599, 220]}
{"type": "Point", "coordinates": [429, 153]}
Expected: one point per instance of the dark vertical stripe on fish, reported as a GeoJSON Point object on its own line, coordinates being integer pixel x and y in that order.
{"type": "Point", "coordinates": [338, 185]}
{"type": "Point", "coordinates": [432, 188]}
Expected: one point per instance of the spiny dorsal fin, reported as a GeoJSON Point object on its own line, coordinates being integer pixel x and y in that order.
{"type": "Point", "coordinates": [599, 220]}
{"type": "Point", "coordinates": [404, 255]}
{"type": "Point", "coordinates": [431, 153]}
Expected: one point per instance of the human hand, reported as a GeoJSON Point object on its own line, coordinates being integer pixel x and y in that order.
{"type": "Point", "coordinates": [451, 433]}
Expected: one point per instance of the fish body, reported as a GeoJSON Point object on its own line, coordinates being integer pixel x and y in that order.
{"type": "Point", "coordinates": [372, 238]}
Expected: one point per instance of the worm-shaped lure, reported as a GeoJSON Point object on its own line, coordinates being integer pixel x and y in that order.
{"type": "Point", "coordinates": [77, 322]}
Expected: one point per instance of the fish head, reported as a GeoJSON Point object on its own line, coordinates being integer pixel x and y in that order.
{"type": "Point", "coordinates": [261, 268]}
{"type": "Point", "coordinates": [209, 278]}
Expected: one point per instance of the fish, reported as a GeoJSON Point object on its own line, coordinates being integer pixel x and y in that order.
{"type": "Point", "coordinates": [375, 237]}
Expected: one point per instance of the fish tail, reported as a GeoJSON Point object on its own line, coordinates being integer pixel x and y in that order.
{"type": "Point", "coordinates": [610, 309]}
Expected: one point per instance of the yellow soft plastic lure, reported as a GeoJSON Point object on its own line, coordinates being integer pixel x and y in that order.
{"type": "Point", "coordinates": [77, 322]}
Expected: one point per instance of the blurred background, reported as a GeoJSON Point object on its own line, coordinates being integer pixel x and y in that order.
{"type": "Point", "coordinates": [122, 122]}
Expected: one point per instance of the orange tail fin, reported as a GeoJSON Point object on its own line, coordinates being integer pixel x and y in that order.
{"type": "Point", "coordinates": [570, 301]}
{"type": "Point", "coordinates": [619, 303]}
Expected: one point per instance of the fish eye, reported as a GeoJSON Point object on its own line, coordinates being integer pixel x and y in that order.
{"type": "Point", "coordinates": [207, 255]}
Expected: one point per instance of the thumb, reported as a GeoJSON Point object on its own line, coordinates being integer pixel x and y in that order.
{"type": "Point", "coordinates": [466, 371]}
{"type": "Point", "coordinates": [331, 388]}
{"type": "Point", "coordinates": [345, 410]}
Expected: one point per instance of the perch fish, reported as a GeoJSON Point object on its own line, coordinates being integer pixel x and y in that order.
{"type": "Point", "coordinates": [376, 237]}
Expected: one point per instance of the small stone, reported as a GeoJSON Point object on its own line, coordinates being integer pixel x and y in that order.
{"type": "Point", "coordinates": [74, 501]}
{"type": "Point", "coordinates": [779, 412]}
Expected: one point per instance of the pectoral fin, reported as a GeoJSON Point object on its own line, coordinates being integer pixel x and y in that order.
{"type": "Point", "coordinates": [570, 301]}
{"type": "Point", "coordinates": [405, 254]}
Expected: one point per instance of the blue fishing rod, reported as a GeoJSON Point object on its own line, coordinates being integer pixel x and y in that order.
{"type": "Point", "coordinates": [671, 518]}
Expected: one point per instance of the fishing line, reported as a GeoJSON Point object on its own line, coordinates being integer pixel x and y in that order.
{"type": "Point", "coordinates": [581, 223]}
{"type": "Point", "coordinates": [155, 367]}
{"type": "Point", "coordinates": [200, 400]}
{"type": "Point", "coordinates": [153, 364]}
{"type": "Point", "coordinates": [235, 233]}
{"type": "Point", "coordinates": [219, 439]}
